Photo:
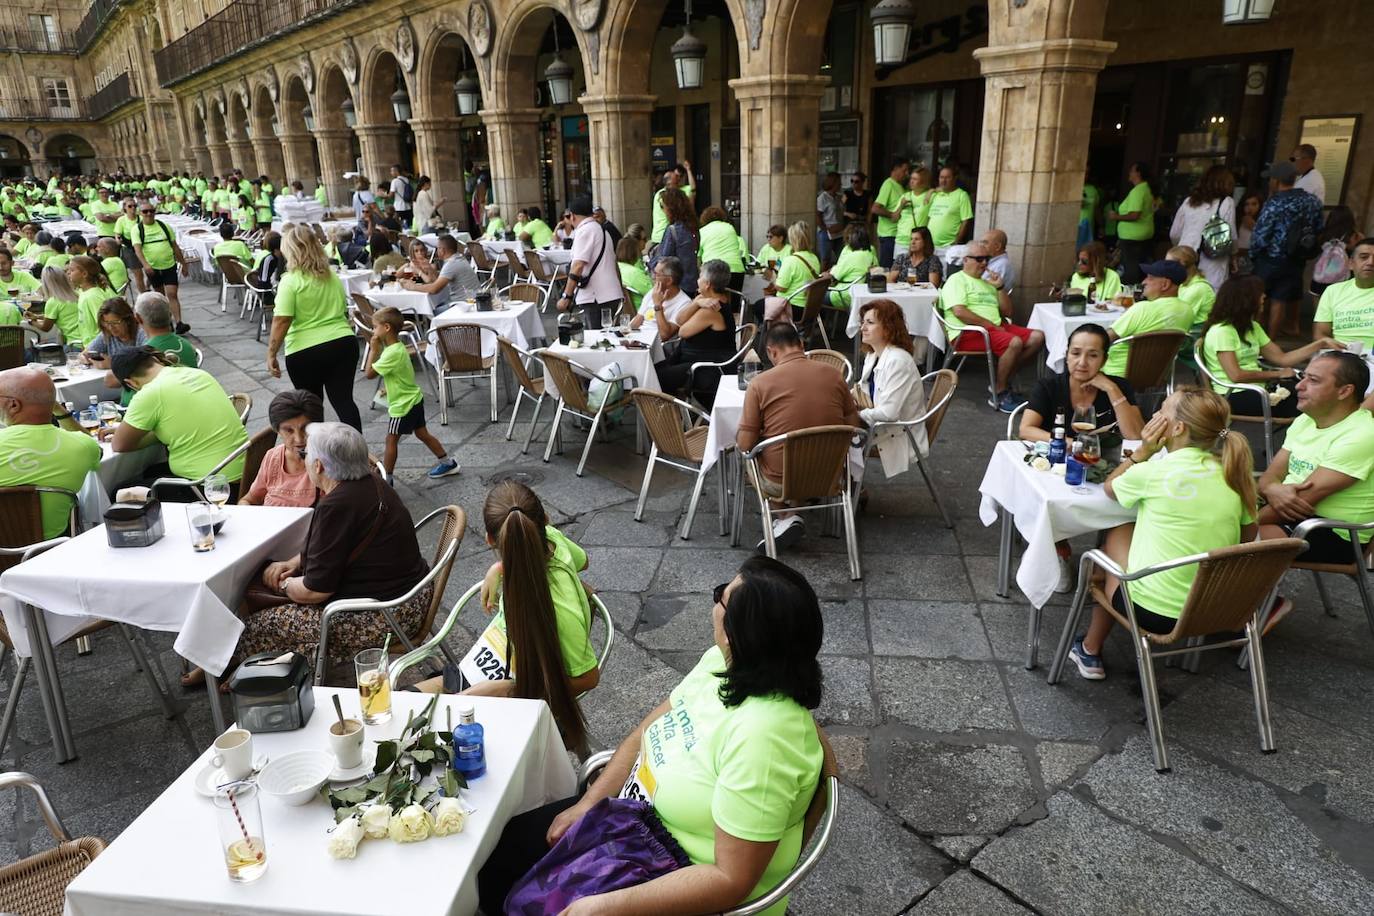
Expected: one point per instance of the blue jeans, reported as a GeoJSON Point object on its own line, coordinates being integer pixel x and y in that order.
{"type": "Point", "coordinates": [885, 245]}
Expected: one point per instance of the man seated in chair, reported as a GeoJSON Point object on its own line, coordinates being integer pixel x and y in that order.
{"type": "Point", "coordinates": [1326, 466]}
{"type": "Point", "coordinates": [1163, 310]}
{"type": "Point", "coordinates": [33, 452]}
{"type": "Point", "coordinates": [450, 279]}
{"type": "Point", "coordinates": [971, 298]}
{"type": "Point", "coordinates": [797, 393]}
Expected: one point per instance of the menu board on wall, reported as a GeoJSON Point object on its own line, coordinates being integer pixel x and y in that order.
{"type": "Point", "coordinates": [1334, 138]}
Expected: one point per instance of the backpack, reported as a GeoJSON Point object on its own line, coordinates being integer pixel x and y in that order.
{"type": "Point", "coordinates": [1217, 239]}
{"type": "Point", "coordinates": [1331, 266]}
{"type": "Point", "coordinates": [407, 191]}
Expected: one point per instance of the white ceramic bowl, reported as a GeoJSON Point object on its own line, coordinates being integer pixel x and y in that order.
{"type": "Point", "coordinates": [295, 778]}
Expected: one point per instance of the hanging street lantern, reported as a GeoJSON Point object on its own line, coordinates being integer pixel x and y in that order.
{"type": "Point", "coordinates": [559, 76]}
{"type": "Point", "coordinates": [309, 117]}
{"type": "Point", "coordinates": [689, 56]}
{"type": "Point", "coordinates": [400, 103]}
{"type": "Point", "coordinates": [469, 94]}
{"type": "Point", "coordinates": [892, 21]}
{"type": "Point", "coordinates": [276, 126]}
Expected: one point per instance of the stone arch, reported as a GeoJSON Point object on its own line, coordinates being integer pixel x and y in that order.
{"type": "Point", "coordinates": [14, 157]}
{"type": "Point", "coordinates": [331, 90]}
{"type": "Point", "coordinates": [338, 146]}
{"type": "Point", "coordinates": [516, 50]}
{"type": "Point", "coordinates": [236, 117]}
{"type": "Point", "coordinates": [262, 113]}
{"type": "Point", "coordinates": [379, 76]}
{"type": "Point", "coordinates": [438, 69]}
{"type": "Point", "coordinates": [300, 155]}
{"type": "Point", "coordinates": [70, 153]}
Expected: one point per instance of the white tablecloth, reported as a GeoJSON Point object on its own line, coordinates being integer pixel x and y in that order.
{"type": "Point", "coordinates": [396, 296]}
{"type": "Point", "coordinates": [167, 587]}
{"type": "Point", "coordinates": [355, 280]}
{"type": "Point", "coordinates": [1048, 317]}
{"type": "Point", "coordinates": [63, 226]}
{"type": "Point", "coordinates": [81, 384]}
{"type": "Point", "coordinates": [168, 861]}
{"type": "Point", "coordinates": [917, 304]}
{"type": "Point", "coordinates": [497, 248]}
{"type": "Point", "coordinates": [557, 257]}
{"type": "Point", "coordinates": [725, 416]}
{"type": "Point", "coordinates": [1045, 510]}
{"type": "Point", "coordinates": [519, 323]}
{"type": "Point", "coordinates": [199, 242]}
{"type": "Point", "coordinates": [639, 363]}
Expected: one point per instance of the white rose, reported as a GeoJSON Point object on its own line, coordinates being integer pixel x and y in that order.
{"type": "Point", "coordinates": [449, 817]}
{"type": "Point", "coordinates": [376, 819]}
{"type": "Point", "coordinates": [410, 825]}
{"type": "Point", "coordinates": [1040, 463]}
{"type": "Point", "coordinates": [343, 842]}
{"type": "Point", "coordinates": [1058, 470]}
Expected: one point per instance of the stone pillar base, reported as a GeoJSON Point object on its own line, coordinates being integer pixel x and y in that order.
{"type": "Point", "coordinates": [513, 150]}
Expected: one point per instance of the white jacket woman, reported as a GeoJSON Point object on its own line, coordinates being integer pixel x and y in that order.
{"type": "Point", "coordinates": [891, 382]}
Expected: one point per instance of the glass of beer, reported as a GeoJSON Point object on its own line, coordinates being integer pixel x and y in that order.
{"type": "Point", "coordinates": [200, 518]}
{"type": "Point", "coordinates": [240, 831]}
{"type": "Point", "coordinates": [374, 688]}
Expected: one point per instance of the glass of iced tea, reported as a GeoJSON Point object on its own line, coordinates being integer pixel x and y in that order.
{"type": "Point", "coordinates": [241, 837]}
{"type": "Point", "coordinates": [374, 688]}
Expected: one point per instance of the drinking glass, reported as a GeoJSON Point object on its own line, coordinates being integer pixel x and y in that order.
{"type": "Point", "coordinates": [374, 688]}
{"type": "Point", "coordinates": [239, 818]}
{"type": "Point", "coordinates": [1084, 419]}
{"type": "Point", "coordinates": [606, 318]}
{"type": "Point", "coordinates": [217, 489]}
{"type": "Point", "coordinates": [200, 517]}
{"type": "Point", "coordinates": [1088, 451]}
{"type": "Point", "coordinates": [624, 321]}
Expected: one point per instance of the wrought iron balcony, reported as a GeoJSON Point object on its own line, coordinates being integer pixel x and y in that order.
{"type": "Point", "coordinates": [94, 21]}
{"type": "Point", "coordinates": [19, 38]}
{"type": "Point", "coordinates": [30, 109]}
{"type": "Point", "coordinates": [119, 91]}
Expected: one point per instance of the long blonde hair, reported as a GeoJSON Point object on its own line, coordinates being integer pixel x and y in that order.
{"type": "Point", "coordinates": [799, 236]}
{"type": "Point", "coordinates": [305, 253]}
{"type": "Point", "coordinates": [56, 285]}
{"type": "Point", "coordinates": [1207, 416]}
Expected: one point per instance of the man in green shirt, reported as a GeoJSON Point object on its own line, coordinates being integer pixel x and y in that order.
{"type": "Point", "coordinates": [104, 212]}
{"type": "Point", "coordinates": [1163, 311]}
{"type": "Point", "coordinates": [887, 207]}
{"type": "Point", "coordinates": [968, 300]}
{"type": "Point", "coordinates": [156, 246]}
{"type": "Point", "coordinates": [33, 452]}
{"type": "Point", "coordinates": [537, 232]}
{"type": "Point", "coordinates": [680, 177]}
{"type": "Point", "coordinates": [950, 219]}
{"type": "Point", "coordinates": [108, 251]}
{"type": "Point", "coordinates": [155, 316]}
{"type": "Point", "coordinates": [1345, 310]}
{"type": "Point", "coordinates": [232, 247]}
{"type": "Point", "coordinates": [14, 283]}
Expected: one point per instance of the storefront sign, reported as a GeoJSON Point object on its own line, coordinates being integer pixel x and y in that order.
{"type": "Point", "coordinates": [946, 36]}
{"type": "Point", "coordinates": [662, 153]}
{"type": "Point", "coordinates": [1334, 138]}
{"type": "Point", "coordinates": [574, 126]}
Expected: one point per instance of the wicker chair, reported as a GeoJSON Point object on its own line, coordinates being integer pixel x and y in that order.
{"type": "Point", "coordinates": [813, 310]}
{"type": "Point", "coordinates": [12, 345]}
{"type": "Point", "coordinates": [943, 383]}
{"type": "Point", "coordinates": [196, 484]}
{"type": "Point", "coordinates": [546, 279]}
{"type": "Point", "coordinates": [1233, 590]}
{"type": "Point", "coordinates": [460, 356]}
{"type": "Point", "coordinates": [519, 273]}
{"type": "Point", "coordinates": [243, 405]}
{"type": "Point", "coordinates": [744, 341]}
{"type": "Point", "coordinates": [678, 443]}
{"type": "Point", "coordinates": [952, 351]}
{"type": "Point", "coordinates": [259, 445]}
{"type": "Point", "coordinates": [816, 475]}
{"type": "Point", "coordinates": [833, 358]}
{"type": "Point", "coordinates": [527, 386]}
{"type": "Point", "coordinates": [1150, 359]}
{"type": "Point", "coordinates": [1266, 419]}
{"type": "Point", "coordinates": [37, 885]}
{"type": "Point", "coordinates": [1357, 568]}
{"type": "Point", "coordinates": [571, 379]}
{"type": "Point", "coordinates": [522, 292]}
{"type": "Point", "coordinates": [232, 275]}
{"type": "Point", "coordinates": [483, 265]}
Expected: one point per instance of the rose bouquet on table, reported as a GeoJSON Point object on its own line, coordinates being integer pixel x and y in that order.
{"type": "Point", "coordinates": [399, 800]}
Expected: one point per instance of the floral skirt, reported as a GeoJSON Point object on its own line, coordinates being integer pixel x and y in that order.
{"type": "Point", "coordinates": [296, 627]}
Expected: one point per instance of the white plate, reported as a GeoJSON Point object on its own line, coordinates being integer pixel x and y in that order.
{"type": "Point", "coordinates": [339, 774]}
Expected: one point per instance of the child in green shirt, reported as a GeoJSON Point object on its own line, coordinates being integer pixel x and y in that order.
{"type": "Point", "coordinates": [388, 357]}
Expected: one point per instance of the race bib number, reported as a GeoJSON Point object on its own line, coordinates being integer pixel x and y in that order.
{"type": "Point", "coordinates": [641, 785]}
{"type": "Point", "coordinates": [486, 660]}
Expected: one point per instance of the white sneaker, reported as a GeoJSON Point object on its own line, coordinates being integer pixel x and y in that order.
{"type": "Point", "coordinates": [1065, 583]}
{"type": "Point", "coordinates": [786, 533]}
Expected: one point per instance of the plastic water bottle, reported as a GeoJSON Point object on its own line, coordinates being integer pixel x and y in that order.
{"type": "Point", "coordinates": [1057, 444]}
{"type": "Point", "coordinates": [469, 743]}
{"type": "Point", "coordinates": [747, 369]}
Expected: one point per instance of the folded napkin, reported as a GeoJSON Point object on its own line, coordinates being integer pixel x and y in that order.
{"type": "Point", "coordinates": [132, 495]}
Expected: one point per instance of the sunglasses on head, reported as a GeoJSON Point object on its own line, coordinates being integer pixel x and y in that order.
{"type": "Point", "coordinates": [718, 593]}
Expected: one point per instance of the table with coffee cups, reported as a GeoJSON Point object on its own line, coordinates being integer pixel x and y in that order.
{"type": "Point", "coordinates": [635, 352]}
{"type": "Point", "coordinates": [264, 851]}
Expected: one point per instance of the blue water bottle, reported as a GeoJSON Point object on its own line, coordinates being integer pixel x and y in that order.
{"type": "Point", "coordinates": [1058, 445]}
{"type": "Point", "coordinates": [469, 743]}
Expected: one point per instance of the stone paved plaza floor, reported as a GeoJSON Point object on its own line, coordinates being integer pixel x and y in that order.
{"type": "Point", "coordinates": [969, 785]}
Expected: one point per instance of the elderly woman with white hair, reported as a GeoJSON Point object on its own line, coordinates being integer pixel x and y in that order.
{"type": "Point", "coordinates": [495, 225]}
{"type": "Point", "coordinates": [361, 544]}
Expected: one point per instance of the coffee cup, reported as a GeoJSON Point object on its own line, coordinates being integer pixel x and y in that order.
{"type": "Point", "coordinates": [234, 753]}
{"type": "Point", "coordinates": [346, 741]}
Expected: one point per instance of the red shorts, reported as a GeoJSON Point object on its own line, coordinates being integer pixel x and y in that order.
{"type": "Point", "coordinates": [999, 337]}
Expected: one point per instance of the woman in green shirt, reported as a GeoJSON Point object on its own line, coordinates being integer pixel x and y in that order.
{"type": "Point", "coordinates": [1195, 290]}
{"type": "Point", "coordinates": [310, 319]}
{"type": "Point", "coordinates": [855, 262]}
{"type": "Point", "coordinates": [798, 268]}
{"type": "Point", "coordinates": [774, 250]}
{"type": "Point", "coordinates": [1233, 343]}
{"type": "Point", "coordinates": [496, 227]}
{"type": "Point", "coordinates": [633, 276]}
{"type": "Point", "coordinates": [1135, 223]}
{"type": "Point", "coordinates": [92, 287]}
{"type": "Point", "coordinates": [1093, 275]}
{"type": "Point", "coordinates": [59, 308]}
{"type": "Point", "coordinates": [720, 241]}
{"type": "Point", "coordinates": [914, 207]}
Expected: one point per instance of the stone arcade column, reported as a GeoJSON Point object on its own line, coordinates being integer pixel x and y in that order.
{"type": "Point", "coordinates": [1041, 76]}
{"type": "Point", "coordinates": [619, 129]}
{"type": "Point", "coordinates": [381, 149]}
{"type": "Point", "coordinates": [513, 149]}
{"type": "Point", "coordinates": [219, 157]}
{"type": "Point", "coordinates": [441, 158]}
{"type": "Point", "coordinates": [241, 155]}
{"type": "Point", "coordinates": [336, 157]}
{"type": "Point", "coordinates": [298, 159]}
{"type": "Point", "coordinates": [268, 153]}
{"type": "Point", "coordinates": [200, 156]}
{"type": "Point", "coordinates": [779, 127]}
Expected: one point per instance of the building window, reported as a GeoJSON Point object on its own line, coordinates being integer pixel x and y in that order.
{"type": "Point", "coordinates": [57, 94]}
{"type": "Point", "coordinates": [43, 32]}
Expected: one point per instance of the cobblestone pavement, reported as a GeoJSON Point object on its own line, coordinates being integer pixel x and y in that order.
{"type": "Point", "coordinates": [970, 786]}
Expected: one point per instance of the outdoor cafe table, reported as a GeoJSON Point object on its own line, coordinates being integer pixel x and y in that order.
{"type": "Point", "coordinates": [200, 242]}
{"type": "Point", "coordinates": [166, 587]}
{"type": "Point", "coordinates": [354, 279]}
{"type": "Point", "coordinates": [917, 304]}
{"type": "Point", "coordinates": [639, 363]}
{"type": "Point", "coordinates": [117, 469]}
{"type": "Point", "coordinates": [518, 322]}
{"type": "Point", "coordinates": [81, 383]}
{"type": "Point", "coordinates": [398, 297]}
{"type": "Point", "coordinates": [1048, 317]}
{"type": "Point", "coordinates": [1044, 510]}
{"type": "Point", "coordinates": [169, 861]}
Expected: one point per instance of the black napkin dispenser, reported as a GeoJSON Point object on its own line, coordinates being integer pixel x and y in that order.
{"type": "Point", "coordinates": [1075, 305]}
{"type": "Point", "coordinates": [877, 283]}
{"type": "Point", "coordinates": [483, 300]}
{"type": "Point", "coordinates": [273, 692]}
{"type": "Point", "coordinates": [134, 524]}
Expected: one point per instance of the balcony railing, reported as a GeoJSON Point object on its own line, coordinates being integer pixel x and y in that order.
{"type": "Point", "coordinates": [239, 26]}
{"type": "Point", "coordinates": [94, 21]}
{"type": "Point", "coordinates": [29, 109]}
{"type": "Point", "coordinates": [119, 91]}
{"type": "Point", "coordinates": [36, 40]}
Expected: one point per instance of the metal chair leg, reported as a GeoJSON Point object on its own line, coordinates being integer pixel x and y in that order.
{"type": "Point", "coordinates": [21, 669]}
{"type": "Point", "coordinates": [131, 640]}
{"type": "Point", "coordinates": [591, 437]}
{"type": "Point", "coordinates": [1321, 590]}
{"type": "Point", "coordinates": [724, 497]}
{"type": "Point", "coordinates": [514, 414]}
{"type": "Point", "coordinates": [686, 534]}
{"type": "Point", "coordinates": [1061, 653]}
{"type": "Point", "coordinates": [851, 536]}
{"type": "Point", "coordinates": [493, 392]}
{"type": "Point", "coordinates": [1153, 715]}
{"type": "Point", "coordinates": [534, 421]}
{"type": "Point", "coordinates": [644, 487]}
{"type": "Point", "coordinates": [1260, 686]}
{"type": "Point", "coordinates": [553, 433]}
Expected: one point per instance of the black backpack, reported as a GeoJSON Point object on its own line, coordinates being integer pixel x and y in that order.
{"type": "Point", "coordinates": [407, 191]}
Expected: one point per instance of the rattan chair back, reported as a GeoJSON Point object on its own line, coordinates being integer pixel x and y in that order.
{"type": "Point", "coordinates": [813, 462]}
{"type": "Point", "coordinates": [37, 885]}
{"type": "Point", "coordinates": [478, 256]}
{"type": "Point", "coordinates": [1150, 358]}
{"type": "Point", "coordinates": [460, 347]}
{"type": "Point", "coordinates": [511, 353]}
{"type": "Point", "coordinates": [663, 418]}
{"type": "Point", "coordinates": [232, 269]}
{"type": "Point", "coordinates": [833, 358]}
{"type": "Point", "coordinates": [572, 388]}
{"type": "Point", "coordinates": [945, 380]}
{"type": "Point", "coordinates": [517, 267]}
{"type": "Point", "coordinates": [524, 292]}
{"type": "Point", "coordinates": [319, 233]}
{"type": "Point", "coordinates": [363, 309]}
{"type": "Point", "coordinates": [536, 266]}
{"type": "Point", "coordinates": [451, 529]}
{"type": "Point", "coordinates": [21, 520]}
{"type": "Point", "coordinates": [243, 405]}
{"type": "Point", "coordinates": [12, 345]}
{"type": "Point", "coordinates": [258, 447]}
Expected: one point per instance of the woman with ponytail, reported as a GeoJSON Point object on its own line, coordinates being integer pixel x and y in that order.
{"type": "Point", "coordinates": [538, 646]}
{"type": "Point", "coordinates": [1198, 497]}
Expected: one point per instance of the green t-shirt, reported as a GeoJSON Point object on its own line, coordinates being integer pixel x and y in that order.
{"type": "Point", "coordinates": [541, 236]}
{"type": "Point", "coordinates": [320, 195]}
{"type": "Point", "coordinates": [1091, 197]}
{"type": "Point", "coordinates": [1167, 314]}
{"type": "Point", "coordinates": [1224, 338]}
{"type": "Point", "coordinates": [518, 229]}
{"type": "Point", "coordinates": [1350, 312]}
{"type": "Point", "coordinates": [109, 206]}
{"type": "Point", "coordinates": [57, 260]}
{"type": "Point", "coordinates": [394, 366]}
{"type": "Point", "coordinates": [720, 241]}
{"type": "Point", "coordinates": [850, 267]}
{"type": "Point", "coordinates": [916, 213]}
{"type": "Point", "coordinates": [889, 195]}
{"type": "Point", "coordinates": [496, 228]}
{"type": "Point", "coordinates": [973, 293]}
{"type": "Point", "coordinates": [775, 255]}
{"type": "Point", "coordinates": [124, 228]}
{"type": "Point", "coordinates": [189, 413]}
{"type": "Point", "coordinates": [317, 307]}
{"type": "Point", "coordinates": [67, 317]}
{"type": "Point", "coordinates": [750, 770]}
{"type": "Point", "coordinates": [234, 248]}
{"type": "Point", "coordinates": [948, 210]}
{"type": "Point", "coordinates": [88, 304]}
{"type": "Point", "coordinates": [20, 282]}
{"type": "Point", "coordinates": [660, 225]}
{"type": "Point", "coordinates": [157, 241]}
{"type": "Point", "coordinates": [1106, 291]}
{"type": "Point", "coordinates": [1140, 200]}
{"type": "Point", "coordinates": [116, 271]}
{"type": "Point", "coordinates": [1346, 447]}
{"type": "Point", "coordinates": [43, 455]}
{"type": "Point", "coordinates": [1183, 506]}
{"type": "Point", "coordinates": [797, 270]}
{"type": "Point", "coordinates": [175, 343]}
{"type": "Point", "coordinates": [9, 313]}
{"type": "Point", "coordinates": [1199, 295]}
{"type": "Point", "coordinates": [636, 281]}
{"type": "Point", "coordinates": [22, 246]}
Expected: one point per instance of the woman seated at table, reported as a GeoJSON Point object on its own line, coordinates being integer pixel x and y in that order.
{"type": "Point", "coordinates": [720, 241]}
{"type": "Point", "coordinates": [889, 388]}
{"type": "Point", "coordinates": [633, 276]}
{"type": "Point", "coordinates": [59, 307]}
{"type": "Point", "coordinates": [798, 269]}
{"type": "Point", "coordinates": [92, 287]}
{"type": "Point", "coordinates": [384, 255]}
{"type": "Point", "coordinates": [1233, 342]}
{"type": "Point", "coordinates": [360, 544]}
{"type": "Point", "coordinates": [706, 327]}
{"type": "Point", "coordinates": [495, 225]}
{"type": "Point", "coordinates": [1195, 290]}
{"type": "Point", "coordinates": [1215, 509]}
{"type": "Point", "coordinates": [855, 263]}
{"type": "Point", "coordinates": [282, 479]}
{"type": "Point", "coordinates": [270, 263]}
{"type": "Point", "coordinates": [666, 298]}
{"type": "Point", "coordinates": [737, 809]}
{"type": "Point", "coordinates": [918, 260]}
{"type": "Point", "coordinates": [1092, 273]}
{"type": "Point", "coordinates": [774, 249]}
{"type": "Point", "coordinates": [1081, 385]}
{"type": "Point", "coordinates": [119, 331]}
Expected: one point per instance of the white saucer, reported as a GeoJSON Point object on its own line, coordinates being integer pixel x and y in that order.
{"type": "Point", "coordinates": [211, 777]}
{"type": "Point", "coordinates": [339, 774]}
